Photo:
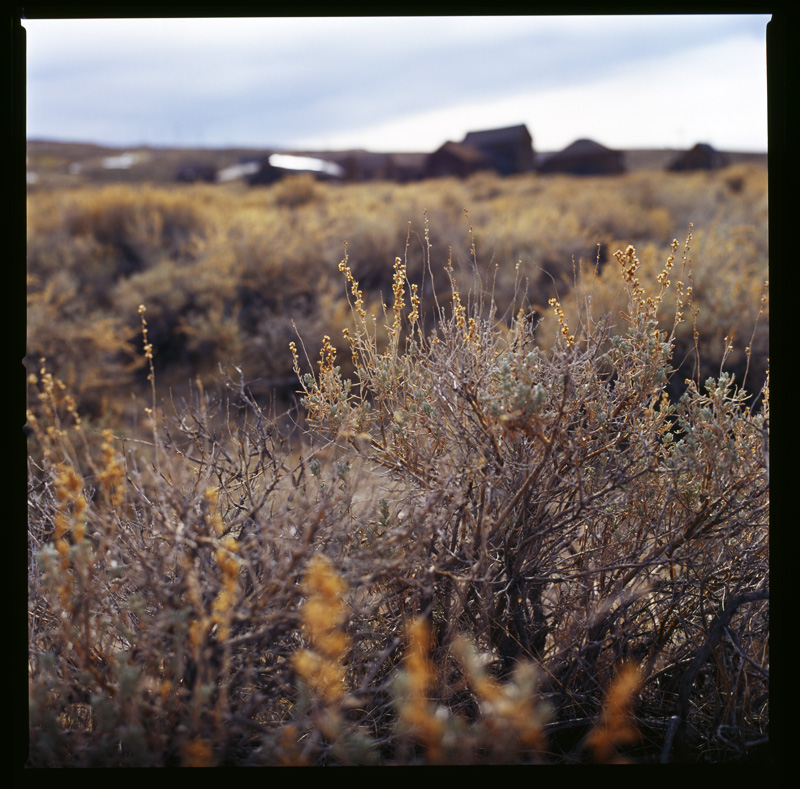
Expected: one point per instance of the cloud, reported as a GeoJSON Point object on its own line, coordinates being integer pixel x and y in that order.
{"type": "Point", "coordinates": [670, 102]}
{"type": "Point", "coordinates": [282, 81]}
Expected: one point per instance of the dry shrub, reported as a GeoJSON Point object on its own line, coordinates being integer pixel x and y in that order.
{"type": "Point", "coordinates": [570, 512]}
{"type": "Point", "coordinates": [295, 190]}
{"type": "Point", "coordinates": [724, 311]}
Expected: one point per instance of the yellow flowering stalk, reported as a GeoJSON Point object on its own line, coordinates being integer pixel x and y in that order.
{"type": "Point", "coordinates": [69, 521]}
{"type": "Point", "coordinates": [417, 713]}
{"type": "Point", "coordinates": [616, 725]}
{"type": "Point", "coordinates": [562, 322]}
{"type": "Point", "coordinates": [324, 615]}
{"type": "Point", "coordinates": [222, 609]}
{"type": "Point", "coordinates": [111, 476]}
{"type": "Point", "coordinates": [512, 714]}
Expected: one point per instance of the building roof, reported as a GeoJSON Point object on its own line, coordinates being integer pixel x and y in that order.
{"type": "Point", "coordinates": [701, 156]}
{"type": "Point", "coordinates": [285, 161]}
{"type": "Point", "coordinates": [584, 157]}
{"type": "Point", "coordinates": [463, 151]}
{"type": "Point", "coordinates": [489, 136]}
{"type": "Point", "coordinates": [409, 159]}
{"type": "Point", "coordinates": [584, 147]}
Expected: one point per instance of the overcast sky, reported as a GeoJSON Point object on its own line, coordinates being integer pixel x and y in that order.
{"type": "Point", "coordinates": [399, 84]}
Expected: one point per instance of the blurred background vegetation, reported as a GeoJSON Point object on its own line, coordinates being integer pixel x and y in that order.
{"type": "Point", "coordinates": [230, 274]}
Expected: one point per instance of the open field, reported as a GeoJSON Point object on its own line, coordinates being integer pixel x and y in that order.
{"type": "Point", "coordinates": [453, 472]}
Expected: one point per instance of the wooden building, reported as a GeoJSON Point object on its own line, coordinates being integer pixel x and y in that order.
{"type": "Point", "coordinates": [584, 157]}
{"type": "Point", "coordinates": [196, 173]}
{"type": "Point", "coordinates": [702, 157]}
{"type": "Point", "coordinates": [510, 149]}
{"type": "Point", "coordinates": [278, 165]}
{"type": "Point", "coordinates": [456, 158]}
{"type": "Point", "coordinates": [368, 166]}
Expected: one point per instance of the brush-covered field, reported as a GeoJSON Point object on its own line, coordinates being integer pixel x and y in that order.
{"type": "Point", "coordinates": [447, 472]}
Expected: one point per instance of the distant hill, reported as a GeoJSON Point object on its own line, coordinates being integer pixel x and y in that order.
{"type": "Point", "coordinates": [70, 163]}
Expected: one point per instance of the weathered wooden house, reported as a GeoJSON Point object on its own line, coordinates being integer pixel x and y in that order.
{"type": "Point", "coordinates": [196, 173]}
{"type": "Point", "coordinates": [456, 158]}
{"type": "Point", "coordinates": [240, 171]}
{"type": "Point", "coordinates": [510, 149]}
{"type": "Point", "coordinates": [365, 166]}
{"type": "Point", "coordinates": [407, 167]}
{"type": "Point", "coordinates": [369, 166]}
{"type": "Point", "coordinates": [278, 165]}
{"type": "Point", "coordinates": [584, 157]}
{"type": "Point", "coordinates": [702, 157]}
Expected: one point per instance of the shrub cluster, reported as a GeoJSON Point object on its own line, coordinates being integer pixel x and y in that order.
{"type": "Point", "coordinates": [481, 551]}
{"type": "Point", "coordinates": [225, 272]}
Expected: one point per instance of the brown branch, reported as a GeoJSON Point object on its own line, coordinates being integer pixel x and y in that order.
{"type": "Point", "coordinates": [678, 720]}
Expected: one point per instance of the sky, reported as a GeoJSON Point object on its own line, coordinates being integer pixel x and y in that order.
{"type": "Point", "coordinates": [400, 84]}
